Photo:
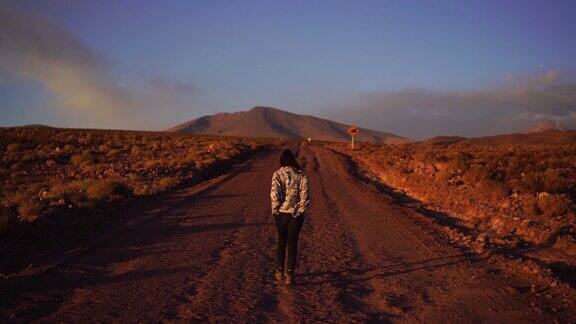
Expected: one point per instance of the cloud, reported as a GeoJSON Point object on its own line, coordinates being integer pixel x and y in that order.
{"type": "Point", "coordinates": [512, 107]}
{"type": "Point", "coordinates": [79, 79]}
{"type": "Point", "coordinates": [33, 49]}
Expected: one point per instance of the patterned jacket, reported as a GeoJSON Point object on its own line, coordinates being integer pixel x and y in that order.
{"type": "Point", "coordinates": [289, 192]}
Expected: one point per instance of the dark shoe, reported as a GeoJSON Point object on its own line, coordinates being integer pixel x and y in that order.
{"type": "Point", "coordinates": [290, 279]}
{"type": "Point", "coordinates": [279, 275]}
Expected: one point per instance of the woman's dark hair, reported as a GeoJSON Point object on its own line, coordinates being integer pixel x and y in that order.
{"type": "Point", "coordinates": [287, 158]}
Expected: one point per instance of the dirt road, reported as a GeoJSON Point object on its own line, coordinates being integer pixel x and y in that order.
{"type": "Point", "coordinates": [363, 257]}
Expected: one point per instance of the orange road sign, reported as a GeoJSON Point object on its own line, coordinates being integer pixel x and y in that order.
{"type": "Point", "coordinates": [353, 130]}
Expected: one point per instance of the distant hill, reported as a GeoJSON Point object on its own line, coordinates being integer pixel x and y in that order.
{"type": "Point", "coordinates": [36, 126]}
{"type": "Point", "coordinates": [545, 125]}
{"type": "Point", "coordinates": [276, 123]}
{"type": "Point", "coordinates": [443, 140]}
{"type": "Point", "coordinates": [542, 137]}
{"type": "Point", "coordinates": [544, 132]}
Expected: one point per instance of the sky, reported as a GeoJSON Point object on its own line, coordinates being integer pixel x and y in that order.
{"type": "Point", "coordinates": [414, 68]}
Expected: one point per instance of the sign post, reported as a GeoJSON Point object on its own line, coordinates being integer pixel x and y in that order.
{"type": "Point", "coordinates": [353, 131]}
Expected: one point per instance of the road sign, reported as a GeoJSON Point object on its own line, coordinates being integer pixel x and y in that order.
{"type": "Point", "coordinates": [353, 130]}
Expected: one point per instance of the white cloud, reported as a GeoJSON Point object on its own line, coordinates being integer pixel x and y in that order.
{"type": "Point", "coordinates": [79, 79]}
{"type": "Point", "coordinates": [514, 107]}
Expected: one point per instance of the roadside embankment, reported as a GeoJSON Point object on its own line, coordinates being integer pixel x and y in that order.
{"type": "Point", "coordinates": [515, 198]}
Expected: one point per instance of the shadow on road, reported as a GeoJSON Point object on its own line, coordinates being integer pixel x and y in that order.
{"type": "Point", "coordinates": [364, 274]}
{"type": "Point", "coordinates": [117, 254]}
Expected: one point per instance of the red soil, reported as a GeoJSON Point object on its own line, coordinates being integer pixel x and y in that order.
{"type": "Point", "coordinates": [210, 256]}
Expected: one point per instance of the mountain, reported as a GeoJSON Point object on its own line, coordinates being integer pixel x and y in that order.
{"type": "Point", "coordinates": [443, 140]}
{"type": "Point", "coordinates": [545, 125]}
{"type": "Point", "coordinates": [545, 132]}
{"type": "Point", "coordinates": [35, 126]}
{"type": "Point", "coordinates": [272, 122]}
{"type": "Point", "coordinates": [548, 137]}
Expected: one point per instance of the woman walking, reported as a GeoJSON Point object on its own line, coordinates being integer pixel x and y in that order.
{"type": "Point", "coordinates": [289, 197]}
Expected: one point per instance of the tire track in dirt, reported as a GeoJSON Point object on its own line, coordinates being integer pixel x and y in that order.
{"type": "Point", "coordinates": [322, 248]}
{"type": "Point", "coordinates": [241, 280]}
{"type": "Point", "coordinates": [383, 253]}
{"type": "Point", "coordinates": [139, 275]}
{"type": "Point", "coordinates": [329, 252]}
{"type": "Point", "coordinates": [429, 280]}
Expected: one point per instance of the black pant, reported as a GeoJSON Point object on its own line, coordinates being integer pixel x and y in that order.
{"type": "Point", "coordinates": [288, 232]}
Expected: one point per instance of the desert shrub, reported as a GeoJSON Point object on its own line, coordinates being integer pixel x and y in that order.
{"type": "Point", "coordinates": [553, 181]}
{"type": "Point", "coordinates": [425, 156]}
{"type": "Point", "coordinates": [96, 168]}
{"type": "Point", "coordinates": [224, 155]}
{"type": "Point", "coordinates": [42, 152]}
{"type": "Point", "coordinates": [532, 182]}
{"type": "Point", "coordinates": [553, 205]}
{"type": "Point", "coordinates": [16, 166]}
{"type": "Point", "coordinates": [85, 139]}
{"type": "Point", "coordinates": [30, 210]}
{"type": "Point", "coordinates": [477, 174]}
{"type": "Point", "coordinates": [16, 198]}
{"type": "Point", "coordinates": [151, 164]}
{"type": "Point", "coordinates": [405, 169]}
{"type": "Point", "coordinates": [103, 148]}
{"type": "Point", "coordinates": [167, 182]}
{"type": "Point", "coordinates": [136, 151]}
{"type": "Point", "coordinates": [70, 193]}
{"type": "Point", "coordinates": [496, 190]}
{"type": "Point", "coordinates": [112, 153]}
{"type": "Point", "coordinates": [154, 146]}
{"type": "Point", "coordinates": [515, 167]}
{"type": "Point", "coordinates": [68, 149]}
{"type": "Point", "coordinates": [83, 159]}
{"type": "Point", "coordinates": [86, 192]}
{"type": "Point", "coordinates": [27, 155]}
{"type": "Point", "coordinates": [14, 147]}
{"type": "Point", "coordinates": [460, 161]}
{"type": "Point", "coordinates": [108, 190]}
{"type": "Point", "coordinates": [445, 174]}
{"type": "Point", "coordinates": [556, 162]}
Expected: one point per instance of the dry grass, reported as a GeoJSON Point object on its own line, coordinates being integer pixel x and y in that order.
{"type": "Point", "coordinates": [47, 173]}
{"type": "Point", "coordinates": [514, 187]}
{"type": "Point", "coordinates": [517, 169]}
